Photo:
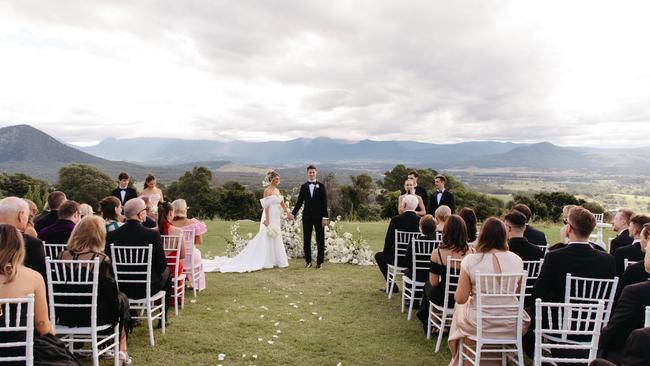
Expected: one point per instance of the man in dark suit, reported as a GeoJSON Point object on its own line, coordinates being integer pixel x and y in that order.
{"type": "Point", "coordinates": [516, 224]}
{"type": "Point", "coordinates": [59, 232]}
{"type": "Point", "coordinates": [407, 221]}
{"type": "Point", "coordinates": [132, 233]}
{"type": "Point", "coordinates": [637, 352]}
{"type": "Point", "coordinates": [314, 216]}
{"type": "Point", "coordinates": [441, 196]}
{"type": "Point", "coordinates": [531, 234]}
{"type": "Point", "coordinates": [621, 224]}
{"type": "Point", "coordinates": [420, 191]}
{"type": "Point", "coordinates": [15, 212]}
{"type": "Point", "coordinates": [54, 201]}
{"type": "Point", "coordinates": [577, 258]}
{"type": "Point", "coordinates": [634, 273]}
{"type": "Point", "coordinates": [123, 192]}
{"type": "Point", "coordinates": [633, 251]}
{"type": "Point", "coordinates": [628, 316]}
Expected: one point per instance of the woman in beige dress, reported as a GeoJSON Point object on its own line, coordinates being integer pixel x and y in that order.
{"type": "Point", "coordinates": [492, 256]}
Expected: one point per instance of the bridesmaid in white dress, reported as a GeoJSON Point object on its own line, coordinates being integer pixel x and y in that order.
{"type": "Point", "coordinates": [154, 193]}
{"type": "Point", "coordinates": [266, 249]}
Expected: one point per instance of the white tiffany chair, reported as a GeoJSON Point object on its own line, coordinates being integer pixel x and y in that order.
{"type": "Point", "coordinates": [557, 323]}
{"type": "Point", "coordinates": [172, 245]}
{"type": "Point", "coordinates": [17, 317]}
{"type": "Point", "coordinates": [402, 241]}
{"type": "Point", "coordinates": [532, 268]}
{"type": "Point", "coordinates": [190, 267]}
{"type": "Point", "coordinates": [74, 284]}
{"type": "Point", "coordinates": [132, 264]}
{"type": "Point", "coordinates": [582, 290]}
{"type": "Point", "coordinates": [53, 250]}
{"type": "Point", "coordinates": [599, 217]}
{"type": "Point", "coordinates": [440, 316]}
{"type": "Point", "coordinates": [647, 316]}
{"type": "Point", "coordinates": [421, 258]}
{"type": "Point", "coordinates": [627, 263]}
{"type": "Point", "coordinates": [491, 288]}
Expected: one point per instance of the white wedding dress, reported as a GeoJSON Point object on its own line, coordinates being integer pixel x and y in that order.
{"type": "Point", "coordinates": [264, 250]}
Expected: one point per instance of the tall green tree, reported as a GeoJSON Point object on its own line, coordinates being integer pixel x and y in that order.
{"type": "Point", "coordinates": [24, 186]}
{"type": "Point", "coordinates": [84, 183]}
{"type": "Point", "coordinates": [394, 178]}
{"type": "Point", "coordinates": [237, 203]}
{"type": "Point", "coordinates": [196, 187]}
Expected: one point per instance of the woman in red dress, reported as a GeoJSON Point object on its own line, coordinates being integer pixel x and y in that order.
{"type": "Point", "coordinates": [165, 217]}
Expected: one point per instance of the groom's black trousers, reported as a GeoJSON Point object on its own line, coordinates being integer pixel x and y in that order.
{"type": "Point", "coordinates": [308, 227]}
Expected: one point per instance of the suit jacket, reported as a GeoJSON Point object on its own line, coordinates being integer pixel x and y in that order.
{"type": "Point", "coordinates": [621, 240]}
{"type": "Point", "coordinates": [46, 220]}
{"type": "Point", "coordinates": [535, 236]}
{"type": "Point", "coordinates": [130, 193]}
{"type": "Point", "coordinates": [422, 192]}
{"type": "Point", "coordinates": [35, 255]}
{"type": "Point", "coordinates": [637, 352]}
{"type": "Point", "coordinates": [447, 199]}
{"type": "Point", "coordinates": [132, 233]}
{"type": "Point", "coordinates": [407, 221]}
{"type": "Point", "coordinates": [635, 273]}
{"type": "Point", "coordinates": [628, 316]}
{"type": "Point", "coordinates": [57, 233]}
{"type": "Point", "coordinates": [631, 252]}
{"type": "Point", "coordinates": [525, 250]}
{"type": "Point", "coordinates": [580, 260]}
{"type": "Point", "coordinates": [315, 207]}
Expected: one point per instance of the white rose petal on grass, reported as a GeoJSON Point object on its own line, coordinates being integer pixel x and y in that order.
{"type": "Point", "coordinates": [339, 364]}
{"type": "Point", "coordinates": [276, 324]}
{"type": "Point", "coordinates": [286, 296]}
{"type": "Point", "coordinates": [320, 318]}
{"type": "Point", "coordinates": [314, 313]}
{"type": "Point", "coordinates": [259, 339]}
{"type": "Point", "coordinates": [255, 356]}
{"type": "Point", "coordinates": [301, 320]}
{"type": "Point", "coordinates": [208, 309]}
{"type": "Point", "coordinates": [193, 301]}
{"type": "Point", "coordinates": [264, 307]}
{"type": "Point", "coordinates": [243, 356]}
{"type": "Point", "coordinates": [311, 303]}
{"type": "Point", "coordinates": [262, 316]}
{"type": "Point", "coordinates": [227, 311]}
{"type": "Point", "coordinates": [270, 341]}
{"type": "Point", "coordinates": [221, 356]}
{"type": "Point", "coordinates": [278, 331]}
{"type": "Point", "coordinates": [275, 336]}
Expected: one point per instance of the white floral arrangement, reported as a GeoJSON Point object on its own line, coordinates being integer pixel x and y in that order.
{"type": "Point", "coordinates": [272, 231]}
{"type": "Point", "coordinates": [237, 242]}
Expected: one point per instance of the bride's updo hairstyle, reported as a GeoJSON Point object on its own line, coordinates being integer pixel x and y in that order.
{"type": "Point", "coordinates": [270, 175]}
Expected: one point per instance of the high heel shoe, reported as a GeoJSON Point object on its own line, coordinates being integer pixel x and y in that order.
{"type": "Point", "coordinates": [125, 359]}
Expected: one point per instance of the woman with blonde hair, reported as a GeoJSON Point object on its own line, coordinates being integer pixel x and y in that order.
{"type": "Point", "coordinates": [409, 188]}
{"type": "Point", "coordinates": [85, 210]}
{"type": "Point", "coordinates": [33, 211]}
{"type": "Point", "coordinates": [87, 242]}
{"type": "Point", "coordinates": [182, 221]}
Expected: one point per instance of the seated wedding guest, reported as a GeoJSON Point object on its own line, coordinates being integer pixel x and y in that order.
{"type": "Point", "coordinates": [181, 221]}
{"type": "Point", "coordinates": [33, 211]}
{"type": "Point", "coordinates": [492, 256]}
{"type": "Point", "coordinates": [578, 258]}
{"type": "Point", "coordinates": [454, 245]}
{"type": "Point", "coordinates": [150, 218]}
{"type": "Point", "coordinates": [531, 234]}
{"type": "Point", "coordinates": [54, 201]}
{"type": "Point", "coordinates": [407, 221]}
{"type": "Point", "coordinates": [87, 242]}
{"type": "Point", "coordinates": [637, 272]}
{"type": "Point", "coordinates": [516, 224]}
{"type": "Point", "coordinates": [441, 197]}
{"type": "Point", "coordinates": [563, 237]}
{"type": "Point", "coordinates": [633, 251]}
{"type": "Point", "coordinates": [420, 191]}
{"type": "Point", "coordinates": [59, 232]}
{"type": "Point", "coordinates": [409, 189]}
{"type": "Point", "coordinates": [441, 215]}
{"type": "Point", "coordinates": [636, 353]}
{"type": "Point", "coordinates": [132, 233]}
{"type": "Point", "coordinates": [621, 225]}
{"type": "Point", "coordinates": [85, 210]}
{"type": "Point", "coordinates": [154, 193]}
{"type": "Point", "coordinates": [123, 192]}
{"type": "Point", "coordinates": [427, 232]}
{"type": "Point", "coordinates": [111, 211]}
{"type": "Point", "coordinates": [469, 216]}
{"type": "Point", "coordinates": [165, 227]}
{"type": "Point", "coordinates": [16, 280]}
{"type": "Point", "coordinates": [628, 315]}
{"type": "Point", "coordinates": [15, 211]}
{"type": "Point", "coordinates": [43, 213]}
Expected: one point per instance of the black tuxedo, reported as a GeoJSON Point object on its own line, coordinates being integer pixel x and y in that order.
{"type": "Point", "coordinates": [46, 220]}
{"type": "Point", "coordinates": [313, 213]}
{"type": "Point", "coordinates": [129, 194]}
{"type": "Point", "coordinates": [525, 250]}
{"type": "Point", "coordinates": [621, 240]}
{"type": "Point", "coordinates": [447, 199]}
{"type": "Point", "coordinates": [631, 252]}
{"type": "Point", "coordinates": [407, 221]}
{"type": "Point", "coordinates": [535, 236]}
{"type": "Point", "coordinates": [637, 352]}
{"type": "Point", "coordinates": [634, 273]}
{"type": "Point", "coordinates": [35, 255]}
{"type": "Point", "coordinates": [628, 316]}
{"type": "Point", "coordinates": [132, 233]}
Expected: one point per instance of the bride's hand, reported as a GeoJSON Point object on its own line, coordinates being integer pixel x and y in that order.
{"type": "Point", "coordinates": [290, 216]}
{"type": "Point", "coordinates": [266, 222]}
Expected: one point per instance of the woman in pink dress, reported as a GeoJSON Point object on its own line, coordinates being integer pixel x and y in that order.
{"type": "Point", "coordinates": [181, 221]}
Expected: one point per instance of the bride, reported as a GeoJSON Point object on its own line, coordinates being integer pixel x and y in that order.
{"type": "Point", "coordinates": [266, 249]}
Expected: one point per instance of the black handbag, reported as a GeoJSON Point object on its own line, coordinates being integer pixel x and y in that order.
{"type": "Point", "coordinates": [50, 350]}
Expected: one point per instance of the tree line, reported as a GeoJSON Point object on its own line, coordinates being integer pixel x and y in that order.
{"type": "Point", "coordinates": [362, 199]}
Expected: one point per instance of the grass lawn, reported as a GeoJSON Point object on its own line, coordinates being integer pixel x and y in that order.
{"type": "Point", "coordinates": [293, 316]}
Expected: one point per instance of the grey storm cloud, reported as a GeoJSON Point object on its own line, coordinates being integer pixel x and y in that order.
{"type": "Point", "coordinates": [431, 71]}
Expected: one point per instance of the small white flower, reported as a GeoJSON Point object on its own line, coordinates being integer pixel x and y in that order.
{"type": "Point", "coordinates": [259, 339]}
{"type": "Point", "coordinates": [276, 324]}
{"type": "Point", "coordinates": [221, 356]}
{"type": "Point", "coordinates": [314, 313]}
{"type": "Point", "coordinates": [193, 301]}
{"type": "Point", "coordinates": [275, 336]}
{"type": "Point", "coordinates": [255, 356]}
{"type": "Point", "coordinates": [262, 316]}
{"type": "Point", "coordinates": [320, 318]}
{"type": "Point", "coordinates": [302, 320]}
{"type": "Point", "coordinates": [243, 356]}
{"type": "Point", "coordinates": [278, 331]}
{"type": "Point", "coordinates": [270, 341]}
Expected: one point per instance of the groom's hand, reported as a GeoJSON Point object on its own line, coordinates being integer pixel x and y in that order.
{"type": "Point", "coordinates": [290, 216]}
{"type": "Point", "coordinates": [324, 222]}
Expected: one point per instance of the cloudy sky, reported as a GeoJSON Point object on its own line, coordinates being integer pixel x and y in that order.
{"type": "Point", "coordinates": [574, 73]}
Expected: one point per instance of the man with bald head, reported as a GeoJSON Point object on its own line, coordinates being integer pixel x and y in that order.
{"type": "Point", "coordinates": [133, 233]}
{"type": "Point", "coordinates": [15, 211]}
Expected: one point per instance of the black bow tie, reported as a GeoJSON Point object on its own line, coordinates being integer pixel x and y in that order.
{"type": "Point", "coordinates": [438, 191]}
{"type": "Point", "coordinates": [310, 183]}
{"type": "Point", "coordinates": [122, 189]}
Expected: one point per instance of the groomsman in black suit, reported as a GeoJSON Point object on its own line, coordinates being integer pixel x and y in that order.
{"type": "Point", "coordinates": [621, 225]}
{"type": "Point", "coordinates": [632, 252]}
{"type": "Point", "coordinates": [314, 215]}
{"type": "Point", "coordinates": [531, 234]}
{"type": "Point", "coordinates": [420, 191]}
{"type": "Point", "coordinates": [123, 192]}
{"type": "Point", "coordinates": [441, 197]}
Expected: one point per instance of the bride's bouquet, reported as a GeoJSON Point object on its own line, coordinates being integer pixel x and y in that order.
{"type": "Point", "coordinates": [272, 231]}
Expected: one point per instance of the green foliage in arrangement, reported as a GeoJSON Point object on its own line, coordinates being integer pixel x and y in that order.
{"type": "Point", "coordinates": [21, 185]}
{"type": "Point", "coordinates": [196, 188]}
{"type": "Point", "coordinates": [84, 184]}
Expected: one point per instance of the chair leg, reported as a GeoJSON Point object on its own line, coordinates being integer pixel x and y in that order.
{"type": "Point", "coordinates": [403, 296]}
{"type": "Point", "coordinates": [443, 325]}
{"type": "Point", "coordinates": [164, 316]}
{"type": "Point", "coordinates": [411, 301]}
{"type": "Point", "coordinates": [150, 324]}
{"type": "Point", "coordinates": [429, 318]}
{"type": "Point", "coordinates": [116, 346]}
{"type": "Point", "coordinates": [461, 352]}
{"type": "Point", "coordinates": [95, 351]}
{"type": "Point", "coordinates": [175, 297]}
{"type": "Point", "coordinates": [390, 278]}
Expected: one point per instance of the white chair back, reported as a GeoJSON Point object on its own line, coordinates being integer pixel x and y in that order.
{"type": "Point", "coordinates": [53, 250]}
{"type": "Point", "coordinates": [647, 317]}
{"type": "Point", "coordinates": [627, 263]}
{"type": "Point", "coordinates": [557, 323]}
{"type": "Point", "coordinates": [491, 290]}
{"type": "Point", "coordinates": [532, 269]}
{"type": "Point", "coordinates": [12, 324]}
{"type": "Point", "coordinates": [438, 236]}
{"type": "Point", "coordinates": [599, 217]}
{"type": "Point", "coordinates": [402, 242]}
{"type": "Point", "coordinates": [189, 235]}
{"type": "Point", "coordinates": [582, 290]}
{"type": "Point", "coordinates": [73, 283]}
{"type": "Point", "coordinates": [421, 253]}
{"type": "Point", "coordinates": [451, 279]}
{"type": "Point", "coordinates": [172, 246]}
{"type": "Point", "coordinates": [132, 264]}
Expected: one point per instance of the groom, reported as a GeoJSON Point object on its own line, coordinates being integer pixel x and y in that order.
{"type": "Point", "coordinates": [314, 216]}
